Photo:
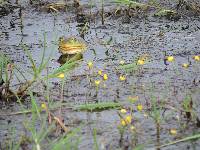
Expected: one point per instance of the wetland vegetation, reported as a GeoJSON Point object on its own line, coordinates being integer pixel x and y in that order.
{"type": "Point", "coordinates": [99, 74]}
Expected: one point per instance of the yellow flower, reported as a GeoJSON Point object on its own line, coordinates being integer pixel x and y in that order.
{"type": "Point", "coordinates": [184, 65]}
{"type": "Point", "coordinates": [62, 75]}
{"type": "Point", "coordinates": [173, 131]}
{"type": "Point", "coordinates": [100, 72]}
{"type": "Point", "coordinates": [104, 85]}
{"type": "Point", "coordinates": [132, 127]}
{"type": "Point", "coordinates": [105, 77]}
{"type": "Point", "coordinates": [139, 107]}
{"type": "Point", "coordinates": [122, 62]}
{"type": "Point", "coordinates": [97, 82]}
{"type": "Point", "coordinates": [145, 115]}
{"type": "Point", "coordinates": [90, 64]}
{"type": "Point", "coordinates": [177, 117]}
{"type": "Point", "coordinates": [128, 119]}
{"type": "Point", "coordinates": [123, 122]}
{"type": "Point", "coordinates": [170, 58]}
{"type": "Point", "coordinates": [196, 58]}
{"type": "Point", "coordinates": [123, 111]}
{"type": "Point", "coordinates": [43, 106]}
{"type": "Point", "coordinates": [122, 78]}
{"type": "Point", "coordinates": [141, 62]}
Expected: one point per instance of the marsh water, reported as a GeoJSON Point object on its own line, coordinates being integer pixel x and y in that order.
{"type": "Point", "coordinates": [127, 38]}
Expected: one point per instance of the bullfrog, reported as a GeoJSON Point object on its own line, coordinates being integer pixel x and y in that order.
{"type": "Point", "coordinates": [72, 45]}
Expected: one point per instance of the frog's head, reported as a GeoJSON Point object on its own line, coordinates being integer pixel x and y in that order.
{"type": "Point", "coordinates": [70, 40]}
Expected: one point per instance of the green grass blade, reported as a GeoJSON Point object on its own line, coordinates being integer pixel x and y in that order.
{"type": "Point", "coordinates": [97, 106]}
{"type": "Point", "coordinates": [193, 137]}
{"type": "Point", "coordinates": [43, 53]}
{"type": "Point", "coordinates": [31, 60]}
{"type": "Point", "coordinates": [69, 65]}
{"type": "Point", "coordinates": [35, 108]}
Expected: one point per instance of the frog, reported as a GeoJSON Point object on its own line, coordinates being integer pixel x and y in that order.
{"type": "Point", "coordinates": [71, 45]}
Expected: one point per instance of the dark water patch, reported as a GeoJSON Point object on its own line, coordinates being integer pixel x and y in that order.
{"type": "Point", "coordinates": [108, 44]}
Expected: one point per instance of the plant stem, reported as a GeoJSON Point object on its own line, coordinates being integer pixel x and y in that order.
{"type": "Point", "coordinates": [102, 12]}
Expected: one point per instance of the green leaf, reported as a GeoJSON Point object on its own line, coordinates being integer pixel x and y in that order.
{"type": "Point", "coordinates": [165, 12]}
{"type": "Point", "coordinates": [69, 65]}
{"type": "Point", "coordinates": [128, 67]}
{"type": "Point", "coordinates": [97, 106]}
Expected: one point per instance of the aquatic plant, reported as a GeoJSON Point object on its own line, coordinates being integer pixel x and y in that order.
{"type": "Point", "coordinates": [122, 78]}
{"type": "Point", "coordinates": [155, 114]}
{"type": "Point", "coordinates": [196, 58]}
{"type": "Point", "coordinates": [173, 131]}
{"type": "Point", "coordinates": [128, 67]}
{"type": "Point", "coordinates": [132, 3]}
{"type": "Point", "coordinates": [6, 74]}
{"type": "Point", "coordinates": [62, 75]}
{"type": "Point", "coordinates": [100, 72]}
{"type": "Point", "coordinates": [170, 58]}
{"type": "Point", "coordinates": [189, 109]}
{"type": "Point", "coordinates": [97, 106]}
{"type": "Point", "coordinates": [140, 62]}
{"type": "Point", "coordinates": [102, 12]}
{"type": "Point", "coordinates": [4, 61]}
{"type": "Point", "coordinates": [185, 65]}
{"type": "Point", "coordinates": [90, 64]}
{"type": "Point", "coordinates": [65, 68]}
{"type": "Point", "coordinates": [139, 107]}
{"type": "Point", "coordinates": [165, 13]}
{"type": "Point", "coordinates": [105, 76]}
{"type": "Point", "coordinates": [39, 135]}
{"type": "Point", "coordinates": [96, 147]}
{"type": "Point", "coordinates": [188, 138]}
{"type": "Point", "coordinates": [97, 82]}
{"type": "Point", "coordinates": [123, 111]}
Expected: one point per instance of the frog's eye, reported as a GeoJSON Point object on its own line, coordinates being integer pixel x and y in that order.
{"type": "Point", "coordinates": [61, 39]}
{"type": "Point", "coordinates": [73, 39]}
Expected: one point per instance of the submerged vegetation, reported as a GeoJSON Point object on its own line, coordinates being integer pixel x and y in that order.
{"type": "Point", "coordinates": [120, 80]}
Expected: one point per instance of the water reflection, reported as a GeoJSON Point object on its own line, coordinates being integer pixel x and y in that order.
{"type": "Point", "coordinates": [66, 57]}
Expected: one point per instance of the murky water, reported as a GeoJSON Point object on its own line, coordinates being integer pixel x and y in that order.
{"type": "Point", "coordinates": [147, 36]}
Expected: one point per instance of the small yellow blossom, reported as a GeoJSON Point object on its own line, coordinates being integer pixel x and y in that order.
{"type": "Point", "coordinates": [184, 65]}
{"type": "Point", "coordinates": [132, 127]}
{"type": "Point", "coordinates": [145, 115]}
{"type": "Point", "coordinates": [123, 122]}
{"type": "Point", "coordinates": [196, 58]}
{"type": "Point", "coordinates": [122, 62]}
{"type": "Point", "coordinates": [104, 85]}
{"type": "Point", "coordinates": [173, 131]}
{"type": "Point", "coordinates": [62, 75]}
{"type": "Point", "coordinates": [100, 72]}
{"type": "Point", "coordinates": [177, 117]}
{"type": "Point", "coordinates": [170, 58]}
{"type": "Point", "coordinates": [105, 77]}
{"type": "Point", "coordinates": [43, 106]}
{"type": "Point", "coordinates": [97, 82]}
{"type": "Point", "coordinates": [128, 119]}
{"type": "Point", "coordinates": [122, 78]}
{"type": "Point", "coordinates": [123, 111]}
{"type": "Point", "coordinates": [139, 107]}
{"type": "Point", "coordinates": [90, 64]}
{"type": "Point", "coordinates": [141, 62]}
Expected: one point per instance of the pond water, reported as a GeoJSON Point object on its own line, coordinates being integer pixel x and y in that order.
{"type": "Point", "coordinates": [127, 38]}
